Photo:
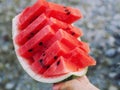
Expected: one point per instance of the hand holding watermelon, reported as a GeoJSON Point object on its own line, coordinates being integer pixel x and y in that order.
{"type": "Point", "coordinates": [76, 84]}
{"type": "Point", "coordinates": [46, 43]}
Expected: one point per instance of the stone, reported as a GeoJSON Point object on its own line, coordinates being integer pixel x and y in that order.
{"type": "Point", "coordinates": [118, 50]}
{"type": "Point", "coordinates": [117, 35]}
{"type": "Point", "coordinates": [111, 41]}
{"type": "Point", "coordinates": [117, 42]}
{"type": "Point", "coordinates": [9, 85]}
{"type": "Point", "coordinates": [112, 74]}
{"type": "Point", "coordinates": [116, 17]}
{"type": "Point", "coordinates": [111, 52]}
{"type": "Point", "coordinates": [113, 87]}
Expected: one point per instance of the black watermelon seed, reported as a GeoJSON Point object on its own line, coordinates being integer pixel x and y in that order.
{"type": "Point", "coordinates": [43, 54]}
{"type": "Point", "coordinates": [41, 60]}
{"type": "Point", "coordinates": [64, 7]}
{"type": "Point", "coordinates": [66, 10]}
{"type": "Point", "coordinates": [55, 57]}
{"type": "Point", "coordinates": [47, 66]}
{"type": "Point", "coordinates": [30, 50]}
{"type": "Point", "coordinates": [58, 62]}
{"type": "Point", "coordinates": [29, 37]}
{"type": "Point", "coordinates": [68, 13]}
{"type": "Point", "coordinates": [73, 33]}
{"type": "Point", "coordinates": [42, 64]}
{"type": "Point", "coordinates": [41, 43]}
{"type": "Point", "coordinates": [32, 34]}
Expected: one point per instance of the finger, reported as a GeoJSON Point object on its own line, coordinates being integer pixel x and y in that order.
{"type": "Point", "coordinates": [70, 85]}
{"type": "Point", "coordinates": [83, 79]}
{"type": "Point", "coordinates": [57, 86]}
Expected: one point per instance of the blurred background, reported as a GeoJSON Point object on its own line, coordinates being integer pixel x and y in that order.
{"type": "Point", "coordinates": [101, 27]}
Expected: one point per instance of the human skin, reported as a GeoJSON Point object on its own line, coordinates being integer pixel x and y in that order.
{"type": "Point", "coordinates": [81, 83]}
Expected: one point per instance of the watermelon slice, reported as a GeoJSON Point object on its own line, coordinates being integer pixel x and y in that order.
{"type": "Point", "coordinates": [65, 14]}
{"type": "Point", "coordinates": [28, 17]}
{"type": "Point", "coordinates": [46, 43]}
{"type": "Point", "coordinates": [57, 24]}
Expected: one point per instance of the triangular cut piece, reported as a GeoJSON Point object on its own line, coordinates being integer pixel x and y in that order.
{"type": "Point", "coordinates": [31, 46]}
{"type": "Point", "coordinates": [31, 30]}
{"type": "Point", "coordinates": [70, 41]}
{"type": "Point", "coordinates": [80, 58]}
{"type": "Point", "coordinates": [60, 67]}
{"type": "Point", "coordinates": [48, 57]}
{"type": "Point", "coordinates": [31, 13]}
{"type": "Point", "coordinates": [57, 24]}
{"type": "Point", "coordinates": [65, 14]}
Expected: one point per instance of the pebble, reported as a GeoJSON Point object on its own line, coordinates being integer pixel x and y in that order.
{"type": "Point", "coordinates": [111, 52]}
{"type": "Point", "coordinates": [118, 50]}
{"type": "Point", "coordinates": [116, 17]}
{"type": "Point", "coordinates": [117, 35]}
{"type": "Point", "coordinates": [117, 77]}
{"type": "Point", "coordinates": [115, 67]}
{"type": "Point", "coordinates": [117, 42]}
{"type": "Point", "coordinates": [102, 10]}
{"type": "Point", "coordinates": [90, 25]}
{"type": "Point", "coordinates": [9, 85]}
{"type": "Point", "coordinates": [112, 74]}
{"type": "Point", "coordinates": [113, 87]}
{"type": "Point", "coordinates": [111, 41]}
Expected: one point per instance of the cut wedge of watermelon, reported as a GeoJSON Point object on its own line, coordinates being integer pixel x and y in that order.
{"type": "Point", "coordinates": [46, 42]}
{"type": "Point", "coordinates": [49, 56]}
{"type": "Point", "coordinates": [63, 67]}
{"type": "Point", "coordinates": [31, 30]}
{"type": "Point", "coordinates": [57, 24]}
{"type": "Point", "coordinates": [31, 13]}
{"type": "Point", "coordinates": [65, 14]}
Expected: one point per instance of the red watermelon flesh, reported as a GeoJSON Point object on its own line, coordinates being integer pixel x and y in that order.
{"type": "Point", "coordinates": [31, 13]}
{"type": "Point", "coordinates": [31, 30]}
{"type": "Point", "coordinates": [74, 31]}
{"type": "Point", "coordinates": [57, 24]}
{"type": "Point", "coordinates": [40, 22]}
{"type": "Point", "coordinates": [69, 41]}
{"type": "Point", "coordinates": [48, 57]}
{"type": "Point", "coordinates": [80, 58]}
{"type": "Point", "coordinates": [52, 52]}
{"type": "Point", "coordinates": [48, 42]}
{"type": "Point", "coordinates": [30, 47]}
{"type": "Point", "coordinates": [65, 14]}
{"type": "Point", "coordinates": [60, 67]}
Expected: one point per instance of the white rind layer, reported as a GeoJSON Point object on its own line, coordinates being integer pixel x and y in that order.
{"type": "Point", "coordinates": [26, 66]}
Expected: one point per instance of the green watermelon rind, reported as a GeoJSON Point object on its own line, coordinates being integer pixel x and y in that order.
{"type": "Point", "coordinates": [27, 68]}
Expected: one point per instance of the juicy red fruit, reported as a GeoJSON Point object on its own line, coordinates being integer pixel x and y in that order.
{"type": "Point", "coordinates": [60, 67]}
{"type": "Point", "coordinates": [65, 14]}
{"type": "Point", "coordinates": [57, 24]}
{"type": "Point", "coordinates": [49, 41]}
{"type": "Point", "coordinates": [31, 46]}
{"type": "Point", "coordinates": [31, 13]}
{"type": "Point", "coordinates": [31, 30]}
{"type": "Point", "coordinates": [48, 57]}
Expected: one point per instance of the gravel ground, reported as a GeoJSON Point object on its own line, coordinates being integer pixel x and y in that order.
{"type": "Point", "coordinates": [101, 27]}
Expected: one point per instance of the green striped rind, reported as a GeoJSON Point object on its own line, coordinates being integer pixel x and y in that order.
{"type": "Point", "coordinates": [74, 76]}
